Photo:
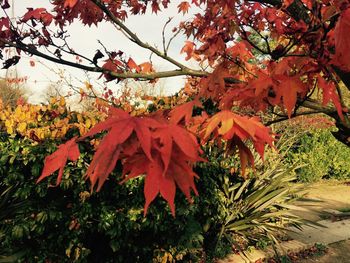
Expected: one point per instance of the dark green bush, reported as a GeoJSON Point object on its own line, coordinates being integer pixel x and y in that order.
{"type": "Point", "coordinates": [68, 223]}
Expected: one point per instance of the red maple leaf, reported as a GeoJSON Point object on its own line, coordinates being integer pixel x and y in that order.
{"type": "Point", "coordinates": [162, 152]}
{"type": "Point", "coordinates": [155, 7]}
{"type": "Point", "coordinates": [111, 66]}
{"type": "Point", "coordinates": [236, 129]}
{"type": "Point", "coordinates": [38, 14]}
{"type": "Point", "coordinates": [330, 94]}
{"type": "Point", "coordinates": [183, 7]}
{"type": "Point", "coordinates": [58, 159]}
{"type": "Point", "coordinates": [132, 65]}
{"type": "Point", "coordinates": [183, 112]}
{"type": "Point", "coordinates": [188, 48]}
{"type": "Point", "coordinates": [342, 41]}
{"type": "Point", "coordinates": [146, 147]}
{"type": "Point", "coordinates": [157, 180]}
{"type": "Point", "coordinates": [288, 91]}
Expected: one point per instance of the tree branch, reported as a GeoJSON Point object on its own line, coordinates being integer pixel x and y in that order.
{"type": "Point", "coordinates": [123, 75]}
{"type": "Point", "coordinates": [343, 133]}
{"type": "Point", "coordinates": [134, 38]}
{"type": "Point", "coordinates": [284, 118]}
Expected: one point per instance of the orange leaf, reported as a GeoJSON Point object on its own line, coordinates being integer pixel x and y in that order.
{"type": "Point", "coordinates": [188, 48]}
{"type": "Point", "coordinates": [132, 65]}
{"type": "Point", "coordinates": [288, 90]}
{"type": "Point", "coordinates": [70, 3]}
{"type": "Point", "coordinates": [245, 155]}
{"type": "Point", "coordinates": [183, 7]}
{"type": "Point", "coordinates": [235, 129]}
{"type": "Point", "coordinates": [146, 67]}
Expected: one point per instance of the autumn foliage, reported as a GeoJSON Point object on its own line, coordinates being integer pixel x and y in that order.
{"type": "Point", "coordinates": [259, 56]}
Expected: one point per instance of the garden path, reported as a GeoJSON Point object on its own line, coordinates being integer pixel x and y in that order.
{"type": "Point", "coordinates": [330, 198]}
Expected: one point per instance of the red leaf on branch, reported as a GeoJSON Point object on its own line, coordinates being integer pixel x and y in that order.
{"type": "Point", "coordinates": [70, 3]}
{"type": "Point", "coordinates": [58, 159]}
{"type": "Point", "coordinates": [342, 41]}
{"type": "Point", "coordinates": [146, 67]}
{"type": "Point", "coordinates": [235, 129]}
{"type": "Point", "coordinates": [38, 14]}
{"type": "Point", "coordinates": [183, 112]}
{"type": "Point", "coordinates": [132, 65]}
{"type": "Point", "coordinates": [188, 48]}
{"type": "Point", "coordinates": [156, 181]}
{"type": "Point", "coordinates": [112, 66]}
{"type": "Point", "coordinates": [155, 7]}
{"type": "Point", "coordinates": [288, 91]}
{"type": "Point", "coordinates": [107, 154]}
{"type": "Point", "coordinates": [330, 94]}
{"type": "Point", "coordinates": [162, 152]}
{"type": "Point", "coordinates": [183, 7]}
{"type": "Point", "coordinates": [262, 83]}
{"type": "Point", "coordinates": [174, 138]}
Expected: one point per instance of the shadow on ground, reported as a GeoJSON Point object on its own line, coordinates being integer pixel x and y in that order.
{"type": "Point", "coordinates": [329, 195]}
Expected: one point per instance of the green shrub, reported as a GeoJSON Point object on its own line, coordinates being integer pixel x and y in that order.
{"type": "Point", "coordinates": [309, 143]}
{"type": "Point", "coordinates": [322, 157]}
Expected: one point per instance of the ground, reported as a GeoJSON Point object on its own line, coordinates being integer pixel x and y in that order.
{"type": "Point", "coordinates": [333, 195]}
{"type": "Point", "coordinates": [336, 196]}
{"type": "Point", "coordinates": [337, 253]}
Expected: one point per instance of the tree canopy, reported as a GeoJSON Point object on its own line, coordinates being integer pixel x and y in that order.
{"type": "Point", "coordinates": [255, 56]}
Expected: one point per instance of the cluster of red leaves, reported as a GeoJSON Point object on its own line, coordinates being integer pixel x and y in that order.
{"type": "Point", "coordinates": [164, 152]}
{"type": "Point", "coordinates": [283, 80]}
{"type": "Point", "coordinates": [38, 14]}
{"type": "Point", "coordinates": [236, 129]}
{"type": "Point", "coordinates": [160, 148]}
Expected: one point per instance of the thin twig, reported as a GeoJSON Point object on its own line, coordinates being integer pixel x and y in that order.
{"type": "Point", "coordinates": [163, 35]}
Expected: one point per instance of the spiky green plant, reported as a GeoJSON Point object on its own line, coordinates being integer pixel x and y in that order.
{"type": "Point", "coordinates": [258, 207]}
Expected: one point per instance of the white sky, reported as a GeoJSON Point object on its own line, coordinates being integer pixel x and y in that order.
{"type": "Point", "coordinates": [84, 40]}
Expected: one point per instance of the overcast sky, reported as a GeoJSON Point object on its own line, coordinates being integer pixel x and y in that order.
{"type": "Point", "coordinates": [84, 39]}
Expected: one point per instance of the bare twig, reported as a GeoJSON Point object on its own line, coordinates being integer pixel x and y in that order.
{"type": "Point", "coordinates": [134, 38]}
{"type": "Point", "coordinates": [163, 35]}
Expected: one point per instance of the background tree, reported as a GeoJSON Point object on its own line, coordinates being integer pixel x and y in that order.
{"type": "Point", "coordinates": [10, 93]}
{"type": "Point", "coordinates": [305, 50]}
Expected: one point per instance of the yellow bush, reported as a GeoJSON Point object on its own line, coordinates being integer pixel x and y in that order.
{"type": "Point", "coordinates": [53, 121]}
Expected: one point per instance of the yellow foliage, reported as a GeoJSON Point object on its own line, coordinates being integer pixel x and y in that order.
{"type": "Point", "coordinates": [40, 122]}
